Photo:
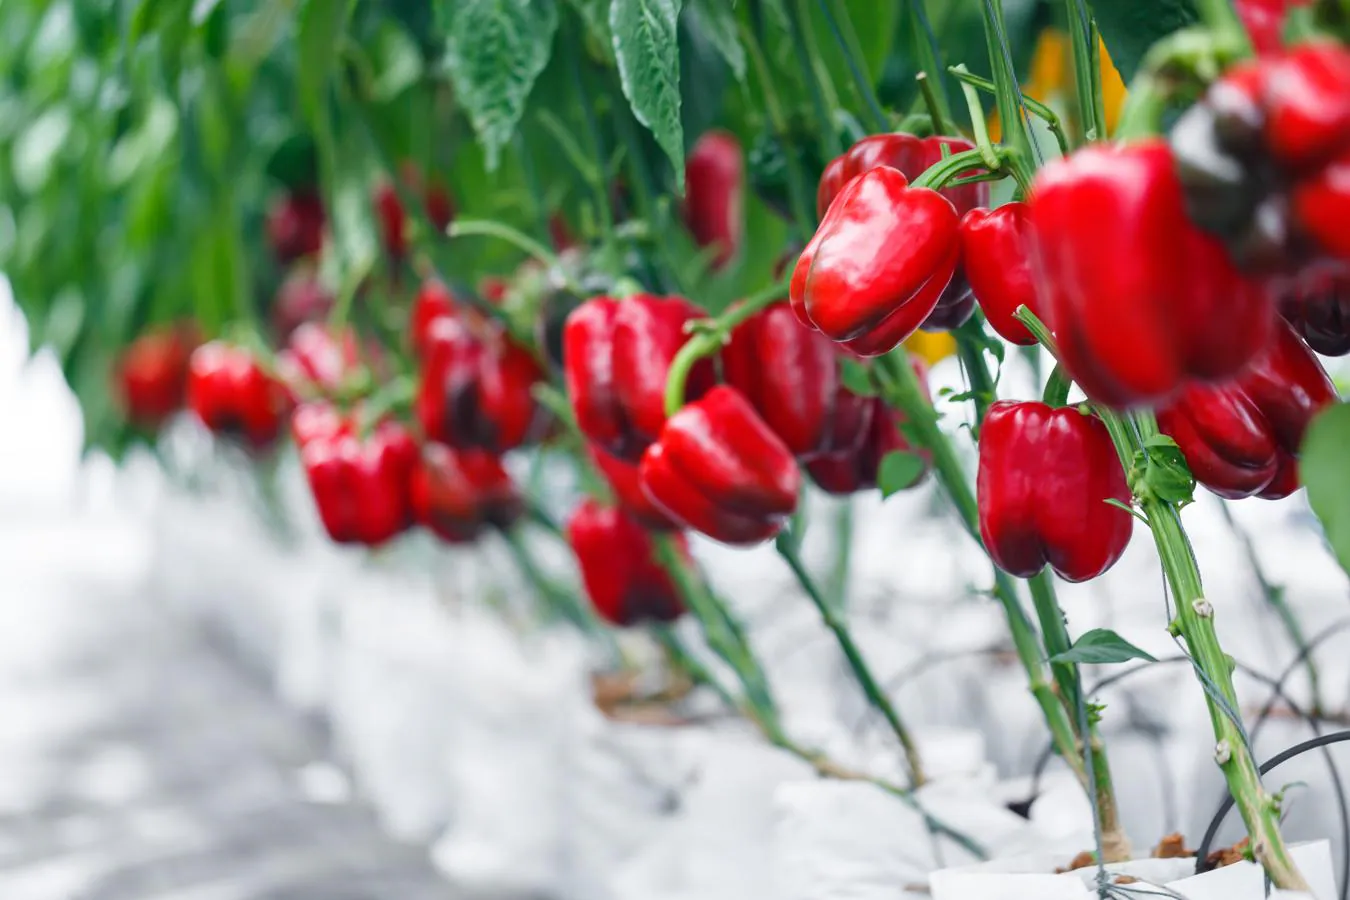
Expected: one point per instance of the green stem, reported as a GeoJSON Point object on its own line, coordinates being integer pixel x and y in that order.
{"type": "Point", "coordinates": [876, 696]}
{"type": "Point", "coordinates": [559, 601]}
{"type": "Point", "coordinates": [852, 58]}
{"type": "Point", "coordinates": [1221, 18]}
{"type": "Point", "coordinates": [1034, 106]}
{"type": "Point", "coordinates": [681, 659]}
{"type": "Point", "coordinates": [928, 56]}
{"type": "Point", "coordinates": [977, 121]}
{"type": "Point", "coordinates": [939, 173]}
{"type": "Point", "coordinates": [971, 340]}
{"type": "Point", "coordinates": [710, 338]}
{"type": "Point", "coordinates": [806, 61]}
{"type": "Point", "coordinates": [800, 193]}
{"type": "Point", "coordinates": [935, 108]}
{"type": "Point", "coordinates": [1145, 104]}
{"type": "Point", "coordinates": [843, 550]}
{"type": "Point", "coordinates": [1006, 89]}
{"type": "Point", "coordinates": [1057, 388]}
{"type": "Point", "coordinates": [1087, 72]}
{"type": "Point", "coordinates": [487, 228]}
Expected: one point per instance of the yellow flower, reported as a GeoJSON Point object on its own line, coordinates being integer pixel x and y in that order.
{"type": "Point", "coordinates": [1051, 78]}
{"type": "Point", "coordinates": [931, 347]}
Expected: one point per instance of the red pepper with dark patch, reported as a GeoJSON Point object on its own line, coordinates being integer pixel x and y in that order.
{"type": "Point", "coordinates": [714, 196]}
{"type": "Point", "coordinates": [152, 375]}
{"type": "Point", "coordinates": [295, 226]}
{"type": "Point", "coordinates": [439, 206]}
{"type": "Point", "coordinates": [719, 469]}
{"type": "Point", "coordinates": [456, 494]}
{"type": "Point", "coordinates": [1316, 304]}
{"type": "Point", "coordinates": [997, 256]}
{"type": "Point", "coordinates": [625, 582]}
{"type": "Point", "coordinates": [616, 356]}
{"type": "Point", "coordinates": [1242, 439]}
{"type": "Point", "coordinates": [1044, 478]}
{"type": "Point", "coordinates": [623, 478]}
{"type": "Point", "coordinates": [232, 395]}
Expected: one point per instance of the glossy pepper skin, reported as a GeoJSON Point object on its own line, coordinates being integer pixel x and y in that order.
{"type": "Point", "coordinates": [1241, 439]}
{"type": "Point", "coordinates": [623, 579]}
{"type": "Point", "coordinates": [457, 494]}
{"type": "Point", "coordinates": [1316, 304]}
{"type": "Point", "coordinates": [912, 156]}
{"type": "Point", "coordinates": [152, 375]}
{"type": "Point", "coordinates": [1264, 21]}
{"type": "Point", "coordinates": [317, 361]}
{"type": "Point", "coordinates": [476, 392]}
{"type": "Point", "coordinates": [878, 263]}
{"type": "Point", "coordinates": [295, 226]}
{"type": "Point", "coordinates": [996, 254]}
{"type": "Point", "coordinates": [361, 485]}
{"type": "Point", "coordinates": [790, 375]}
{"type": "Point", "coordinates": [1140, 299]}
{"type": "Point", "coordinates": [232, 395]}
{"type": "Point", "coordinates": [616, 355]}
{"type": "Point", "coordinates": [1044, 477]}
{"type": "Point", "coordinates": [623, 478]}
{"type": "Point", "coordinates": [714, 204]}
{"type": "Point", "coordinates": [720, 470]}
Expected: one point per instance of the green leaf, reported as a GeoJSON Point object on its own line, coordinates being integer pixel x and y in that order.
{"type": "Point", "coordinates": [322, 24]}
{"type": "Point", "coordinates": [856, 377]}
{"type": "Point", "coordinates": [899, 470]}
{"type": "Point", "coordinates": [495, 52]}
{"type": "Point", "coordinates": [1131, 27]}
{"type": "Point", "coordinates": [1323, 469]}
{"type": "Point", "coordinates": [595, 15]}
{"type": "Point", "coordinates": [1165, 471]}
{"type": "Point", "coordinates": [1100, 646]}
{"type": "Point", "coordinates": [647, 50]}
{"type": "Point", "coordinates": [717, 20]}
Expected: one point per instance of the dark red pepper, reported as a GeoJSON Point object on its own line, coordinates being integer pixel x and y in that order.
{"type": "Point", "coordinates": [152, 375]}
{"type": "Point", "coordinates": [295, 225]}
{"type": "Point", "coordinates": [434, 301]}
{"type": "Point", "coordinates": [1317, 305]}
{"type": "Point", "coordinates": [456, 494]}
{"type": "Point", "coordinates": [624, 480]}
{"type": "Point", "coordinates": [317, 361]}
{"type": "Point", "coordinates": [1044, 478]}
{"type": "Point", "coordinates": [476, 392]}
{"type": "Point", "coordinates": [714, 197]}
{"type": "Point", "coordinates": [616, 355]}
{"type": "Point", "coordinates": [232, 395]}
{"type": "Point", "coordinates": [301, 298]}
{"type": "Point", "coordinates": [878, 263]}
{"type": "Point", "coordinates": [996, 254]}
{"type": "Point", "coordinates": [1242, 439]}
{"type": "Point", "coordinates": [625, 582]}
{"type": "Point", "coordinates": [1139, 298]}
{"type": "Point", "coordinates": [361, 485]}
{"type": "Point", "coordinates": [440, 208]}
{"type": "Point", "coordinates": [720, 470]}
{"type": "Point", "coordinates": [790, 375]}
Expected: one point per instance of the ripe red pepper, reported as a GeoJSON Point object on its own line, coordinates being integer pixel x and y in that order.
{"type": "Point", "coordinates": [1321, 204]}
{"type": "Point", "coordinates": [616, 355]}
{"type": "Point", "coordinates": [456, 494]}
{"type": "Point", "coordinates": [790, 375]}
{"type": "Point", "coordinates": [361, 485]}
{"type": "Point", "coordinates": [434, 301]}
{"type": "Point", "coordinates": [1264, 21]}
{"type": "Point", "coordinates": [1139, 298]}
{"type": "Point", "coordinates": [477, 392]}
{"type": "Point", "coordinates": [1241, 439]}
{"type": "Point", "coordinates": [624, 480]}
{"type": "Point", "coordinates": [152, 375]}
{"type": "Point", "coordinates": [440, 209]}
{"type": "Point", "coordinates": [625, 582]}
{"type": "Point", "coordinates": [996, 254]}
{"type": "Point", "coordinates": [232, 395]}
{"type": "Point", "coordinates": [317, 361]}
{"type": "Point", "coordinates": [301, 298]}
{"type": "Point", "coordinates": [295, 225]}
{"type": "Point", "coordinates": [1044, 477]}
{"type": "Point", "coordinates": [1317, 305]}
{"type": "Point", "coordinates": [878, 263]}
{"type": "Point", "coordinates": [714, 200]}
{"type": "Point", "coordinates": [720, 470]}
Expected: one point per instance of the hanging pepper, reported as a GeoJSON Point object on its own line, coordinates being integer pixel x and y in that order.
{"type": "Point", "coordinates": [440, 209]}
{"type": "Point", "coordinates": [152, 375]}
{"type": "Point", "coordinates": [877, 264]}
{"type": "Point", "coordinates": [301, 298]}
{"type": "Point", "coordinates": [719, 469]}
{"type": "Point", "coordinates": [361, 485]}
{"type": "Point", "coordinates": [1140, 299]}
{"type": "Point", "coordinates": [851, 471]}
{"type": "Point", "coordinates": [456, 494]}
{"type": "Point", "coordinates": [1317, 305]}
{"type": "Point", "coordinates": [624, 480]}
{"type": "Point", "coordinates": [616, 355]}
{"type": "Point", "coordinates": [625, 582]}
{"type": "Point", "coordinates": [232, 395]}
{"type": "Point", "coordinates": [317, 361]}
{"type": "Point", "coordinates": [295, 225]}
{"type": "Point", "coordinates": [790, 375]}
{"type": "Point", "coordinates": [1241, 439]}
{"type": "Point", "coordinates": [477, 392]}
{"type": "Point", "coordinates": [433, 301]}
{"type": "Point", "coordinates": [1264, 21]}
{"type": "Point", "coordinates": [715, 195]}
{"type": "Point", "coordinates": [996, 254]}
{"type": "Point", "coordinates": [1044, 478]}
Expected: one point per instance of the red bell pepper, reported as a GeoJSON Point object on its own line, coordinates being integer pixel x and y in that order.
{"type": "Point", "coordinates": [624, 480]}
{"type": "Point", "coordinates": [996, 254]}
{"type": "Point", "coordinates": [439, 206]}
{"type": "Point", "coordinates": [1317, 306]}
{"type": "Point", "coordinates": [714, 199]}
{"type": "Point", "coordinates": [790, 375]}
{"type": "Point", "coordinates": [1321, 205]}
{"type": "Point", "coordinates": [361, 485]}
{"type": "Point", "coordinates": [616, 355]}
{"type": "Point", "coordinates": [877, 264]}
{"type": "Point", "coordinates": [1264, 21]}
{"type": "Point", "coordinates": [477, 392]}
{"type": "Point", "coordinates": [1044, 478]}
{"type": "Point", "coordinates": [1139, 298]}
{"type": "Point", "coordinates": [433, 301]}
{"type": "Point", "coordinates": [295, 226]}
{"type": "Point", "coordinates": [152, 375]}
{"type": "Point", "coordinates": [1242, 439]}
{"type": "Point", "coordinates": [625, 582]}
{"type": "Point", "coordinates": [720, 470]}
{"type": "Point", "coordinates": [232, 395]}
{"type": "Point", "coordinates": [456, 494]}
{"type": "Point", "coordinates": [317, 361]}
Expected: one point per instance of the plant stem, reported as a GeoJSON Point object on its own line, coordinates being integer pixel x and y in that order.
{"type": "Point", "coordinates": [1034, 106]}
{"type": "Point", "coordinates": [928, 55]}
{"type": "Point", "coordinates": [799, 192]}
{"type": "Point", "coordinates": [977, 122]}
{"type": "Point", "coordinates": [829, 140]}
{"type": "Point", "coordinates": [971, 340]}
{"type": "Point", "coordinates": [876, 695]}
{"type": "Point", "coordinates": [843, 549]}
{"type": "Point", "coordinates": [487, 228]}
{"type": "Point", "coordinates": [852, 59]}
{"type": "Point", "coordinates": [1006, 89]}
{"type": "Point", "coordinates": [1221, 18]}
{"type": "Point", "coordinates": [1087, 73]}
{"type": "Point", "coordinates": [561, 602]}
{"type": "Point", "coordinates": [939, 173]}
{"type": "Point", "coordinates": [1057, 388]}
